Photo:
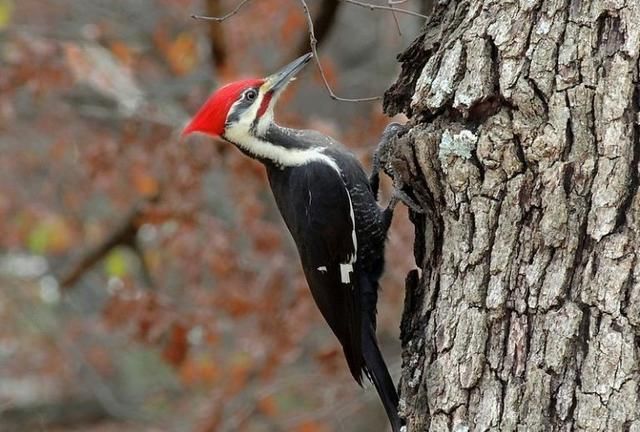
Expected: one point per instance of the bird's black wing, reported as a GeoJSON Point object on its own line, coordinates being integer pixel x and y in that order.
{"type": "Point", "coordinates": [317, 208]}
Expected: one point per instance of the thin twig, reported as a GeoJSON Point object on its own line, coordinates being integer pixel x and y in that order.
{"type": "Point", "coordinates": [217, 45]}
{"type": "Point", "coordinates": [323, 20]}
{"type": "Point", "coordinates": [223, 17]}
{"type": "Point", "coordinates": [387, 8]}
{"type": "Point", "coordinates": [313, 42]}
{"type": "Point", "coordinates": [395, 17]}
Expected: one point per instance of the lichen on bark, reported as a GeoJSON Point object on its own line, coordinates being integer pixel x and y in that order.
{"type": "Point", "coordinates": [523, 150]}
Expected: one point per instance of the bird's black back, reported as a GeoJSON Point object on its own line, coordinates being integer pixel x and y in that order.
{"type": "Point", "coordinates": [320, 202]}
{"type": "Point", "coordinates": [313, 205]}
{"type": "Point", "coordinates": [295, 182]}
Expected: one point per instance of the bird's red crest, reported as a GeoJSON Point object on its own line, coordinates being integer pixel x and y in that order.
{"type": "Point", "coordinates": [211, 117]}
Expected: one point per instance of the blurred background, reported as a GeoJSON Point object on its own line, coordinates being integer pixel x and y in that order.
{"type": "Point", "coordinates": [148, 284]}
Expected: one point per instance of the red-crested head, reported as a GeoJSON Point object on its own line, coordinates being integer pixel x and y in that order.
{"type": "Point", "coordinates": [243, 108]}
{"type": "Point", "coordinates": [212, 116]}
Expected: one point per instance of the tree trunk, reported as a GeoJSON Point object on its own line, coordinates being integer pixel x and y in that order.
{"type": "Point", "coordinates": [523, 150]}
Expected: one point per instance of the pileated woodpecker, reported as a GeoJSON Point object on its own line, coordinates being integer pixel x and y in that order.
{"type": "Point", "coordinates": [329, 207]}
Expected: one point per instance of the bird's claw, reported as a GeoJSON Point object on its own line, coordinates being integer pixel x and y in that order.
{"type": "Point", "coordinates": [382, 161]}
{"type": "Point", "coordinates": [400, 195]}
{"type": "Point", "coordinates": [382, 154]}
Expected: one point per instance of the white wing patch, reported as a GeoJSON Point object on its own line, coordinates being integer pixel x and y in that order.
{"type": "Point", "coordinates": [345, 270]}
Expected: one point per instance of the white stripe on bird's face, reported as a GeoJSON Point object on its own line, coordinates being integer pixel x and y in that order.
{"type": "Point", "coordinates": [246, 120]}
{"type": "Point", "coordinates": [243, 121]}
{"type": "Point", "coordinates": [267, 117]}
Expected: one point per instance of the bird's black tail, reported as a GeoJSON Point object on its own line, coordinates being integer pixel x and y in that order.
{"type": "Point", "coordinates": [379, 374]}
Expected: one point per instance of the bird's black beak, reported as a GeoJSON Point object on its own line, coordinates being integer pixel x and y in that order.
{"type": "Point", "coordinates": [279, 80]}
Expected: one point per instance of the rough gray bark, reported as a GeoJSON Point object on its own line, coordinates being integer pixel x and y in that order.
{"type": "Point", "coordinates": [524, 150]}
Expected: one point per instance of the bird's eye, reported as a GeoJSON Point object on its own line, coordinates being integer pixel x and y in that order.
{"type": "Point", "coordinates": [250, 95]}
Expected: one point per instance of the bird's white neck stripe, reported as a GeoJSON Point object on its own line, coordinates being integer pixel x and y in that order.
{"type": "Point", "coordinates": [280, 156]}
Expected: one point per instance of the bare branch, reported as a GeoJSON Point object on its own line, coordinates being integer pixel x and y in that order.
{"type": "Point", "coordinates": [223, 17]}
{"type": "Point", "coordinates": [387, 8]}
{"type": "Point", "coordinates": [216, 35]}
{"type": "Point", "coordinates": [323, 22]}
{"type": "Point", "coordinates": [70, 412]}
{"type": "Point", "coordinates": [313, 42]}
{"type": "Point", "coordinates": [124, 234]}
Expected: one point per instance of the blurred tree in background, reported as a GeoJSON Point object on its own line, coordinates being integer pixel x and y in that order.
{"type": "Point", "coordinates": [148, 283]}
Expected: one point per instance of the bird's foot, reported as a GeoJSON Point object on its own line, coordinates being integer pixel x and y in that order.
{"type": "Point", "coordinates": [383, 153]}
{"type": "Point", "coordinates": [400, 195]}
{"type": "Point", "coordinates": [393, 129]}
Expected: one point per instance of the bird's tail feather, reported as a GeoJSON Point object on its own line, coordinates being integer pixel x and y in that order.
{"type": "Point", "coordinates": [379, 374]}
